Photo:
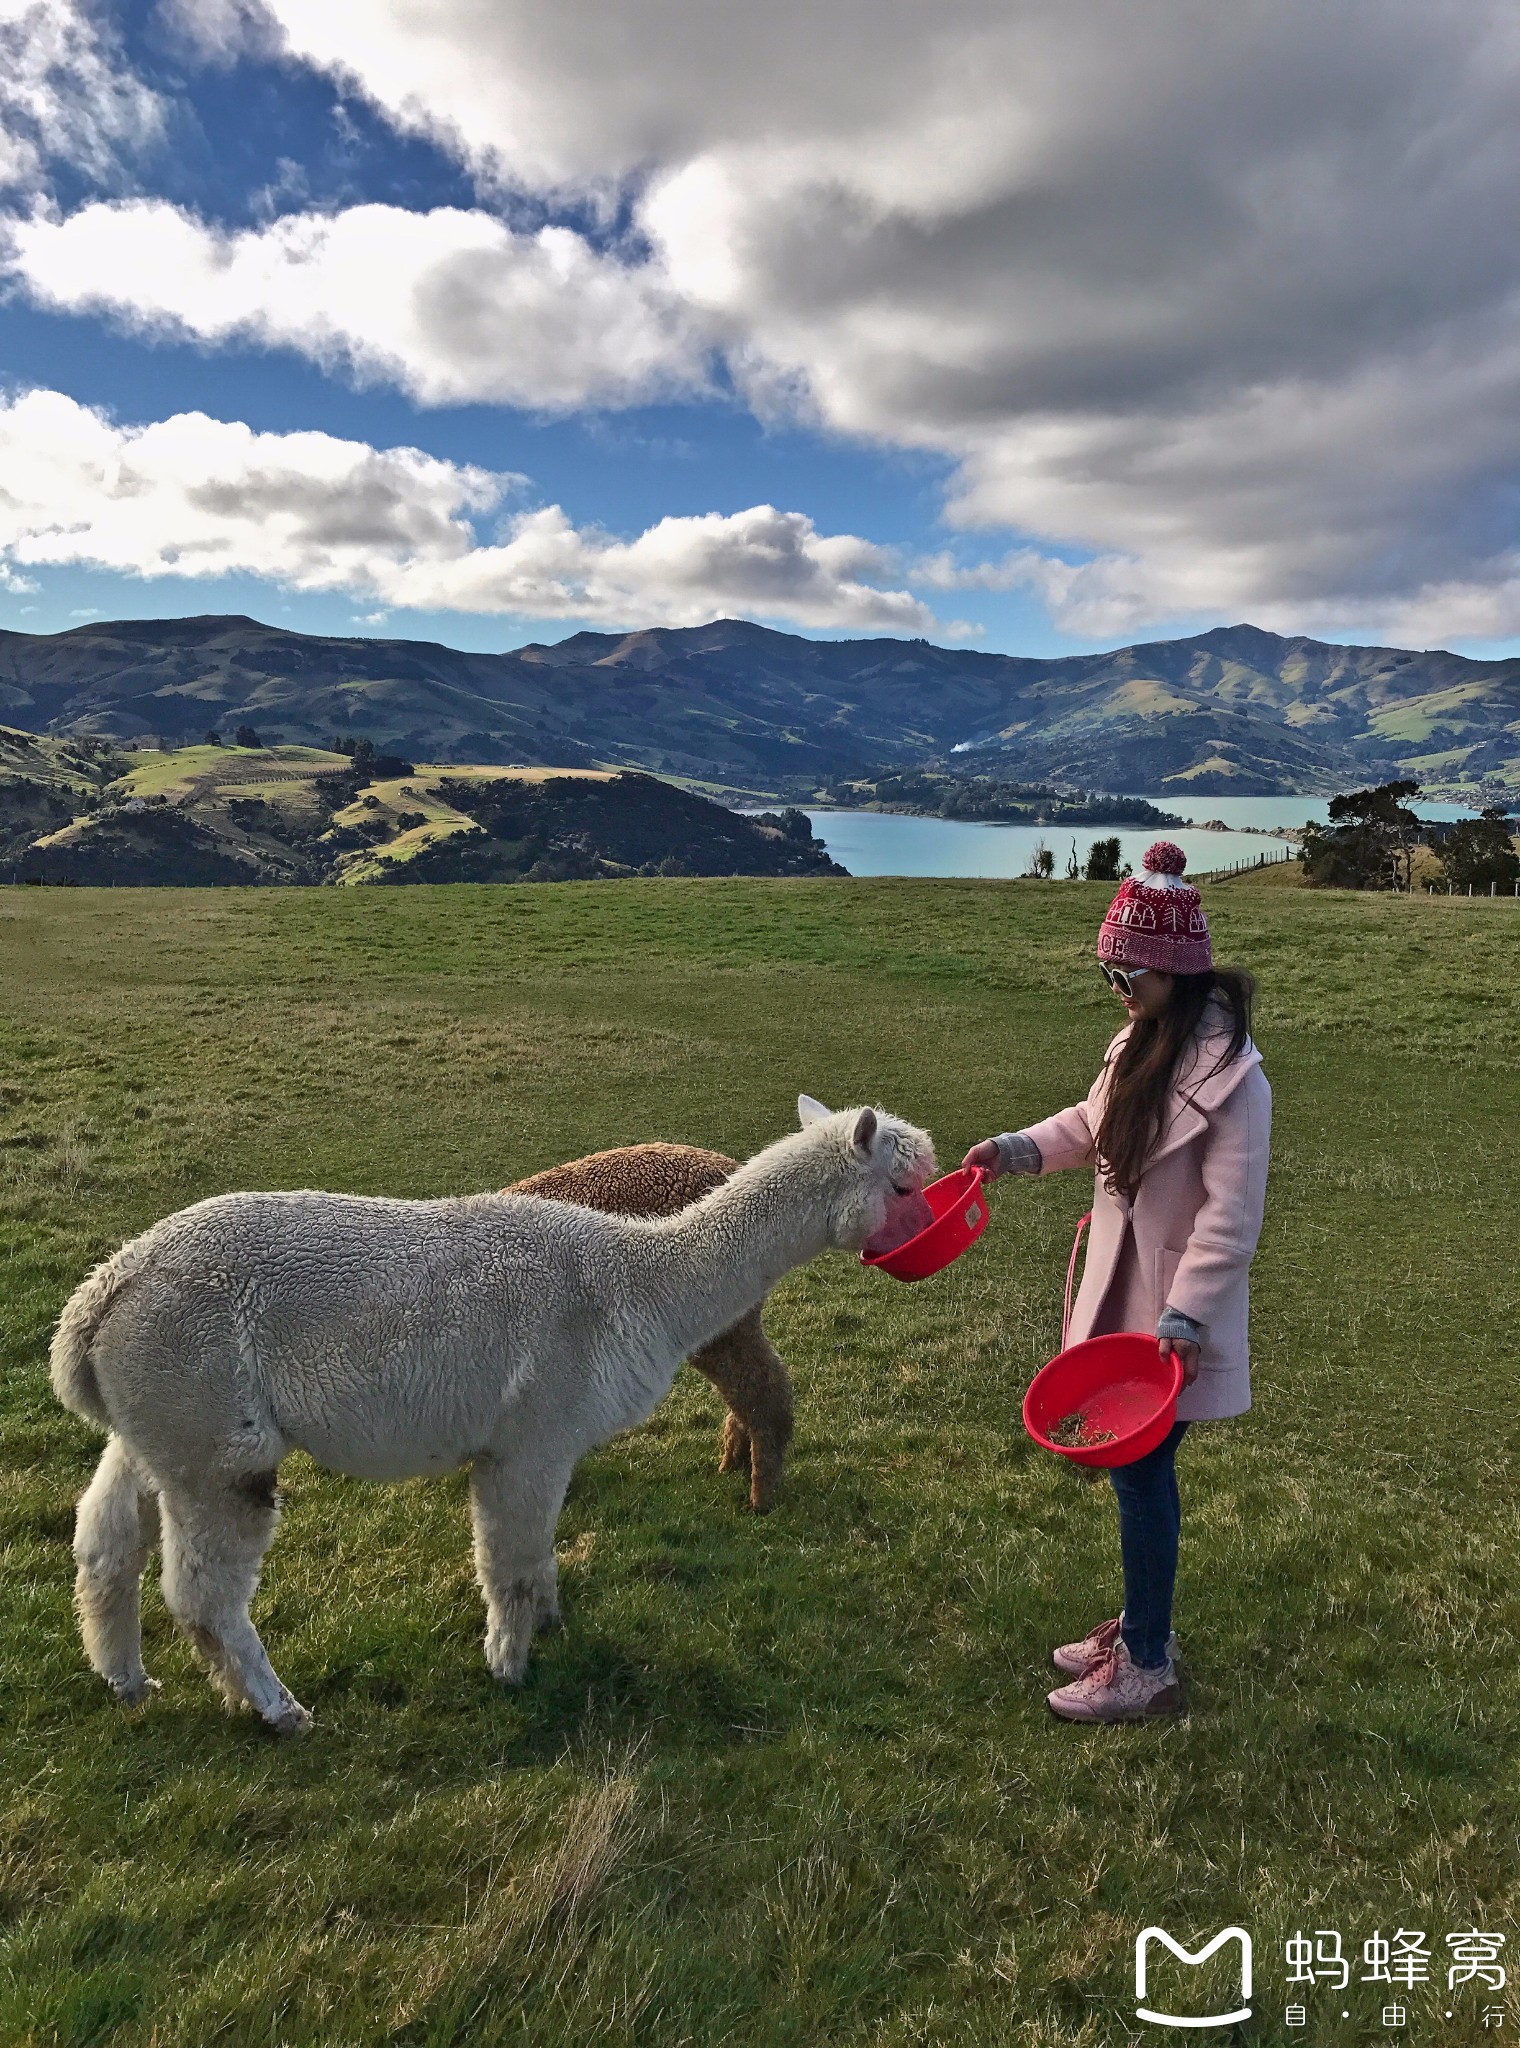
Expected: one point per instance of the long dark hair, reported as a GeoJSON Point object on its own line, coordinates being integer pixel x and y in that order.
{"type": "Point", "coordinates": [1141, 1077]}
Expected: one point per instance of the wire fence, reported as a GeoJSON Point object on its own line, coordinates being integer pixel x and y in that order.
{"type": "Point", "coordinates": [1425, 888]}
{"type": "Point", "coordinates": [1248, 867]}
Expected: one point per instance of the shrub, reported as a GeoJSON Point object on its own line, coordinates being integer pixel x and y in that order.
{"type": "Point", "coordinates": [1480, 852]}
{"type": "Point", "coordinates": [1103, 861]}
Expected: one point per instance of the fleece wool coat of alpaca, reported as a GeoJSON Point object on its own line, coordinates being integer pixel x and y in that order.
{"type": "Point", "coordinates": [391, 1339]}
{"type": "Point", "coordinates": [742, 1363]}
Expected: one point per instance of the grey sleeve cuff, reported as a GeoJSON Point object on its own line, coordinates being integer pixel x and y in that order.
{"type": "Point", "coordinates": [1178, 1328]}
{"type": "Point", "coordinates": [1018, 1153]}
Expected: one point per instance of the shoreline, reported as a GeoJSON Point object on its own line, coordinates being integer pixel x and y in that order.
{"type": "Point", "coordinates": [1037, 822]}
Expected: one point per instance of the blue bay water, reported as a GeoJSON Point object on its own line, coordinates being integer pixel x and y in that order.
{"type": "Point", "coordinates": [884, 843]}
{"type": "Point", "coordinates": [1243, 812]}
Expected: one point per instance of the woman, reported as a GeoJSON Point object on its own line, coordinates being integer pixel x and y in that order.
{"type": "Point", "coordinates": [1178, 1125]}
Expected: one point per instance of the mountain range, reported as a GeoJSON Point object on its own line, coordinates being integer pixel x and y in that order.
{"type": "Point", "coordinates": [1234, 711]}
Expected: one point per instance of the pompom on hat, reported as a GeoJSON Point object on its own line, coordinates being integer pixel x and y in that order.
{"type": "Point", "coordinates": [1157, 919]}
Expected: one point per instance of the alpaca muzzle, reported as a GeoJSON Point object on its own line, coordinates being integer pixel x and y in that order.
{"type": "Point", "coordinates": [906, 1216]}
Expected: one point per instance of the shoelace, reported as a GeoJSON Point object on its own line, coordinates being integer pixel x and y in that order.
{"type": "Point", "coordinates": [1106, 1670]}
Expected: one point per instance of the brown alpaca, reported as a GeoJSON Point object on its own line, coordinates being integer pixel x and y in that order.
{"type": "Point", "coordinates": [743, 1364]}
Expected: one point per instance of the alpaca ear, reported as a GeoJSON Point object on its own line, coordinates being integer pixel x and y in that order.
{"type": "Point", "coordinates": [811, 1111]}
{"type": "Point", "coordinates": [865, 1131]}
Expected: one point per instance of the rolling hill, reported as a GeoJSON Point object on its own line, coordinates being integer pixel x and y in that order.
{"type": "Point", "coordinates": [1231, 711]}
{"type": "Point", "coordinates": [86, 812]}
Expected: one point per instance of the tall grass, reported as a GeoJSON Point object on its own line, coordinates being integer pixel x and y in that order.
{"type": "Point", "coordinates": [786, 1779]}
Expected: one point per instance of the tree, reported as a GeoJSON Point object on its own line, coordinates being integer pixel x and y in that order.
{"type": "Point", "coordinates": [1103, 861]}
{"type": "Point", "coordinates": [213, 738]}
{"type": "Point", "coordinates": [1042, 862]}
{"type": "Point", "coordinates": [1479, 852]}
{"type": "Point", "coordinates": [377, 767]}
{"type": "Point", "coordinates": [1073, 865]}
{"type": "Point", "coordinates": [245, 736]}
{"type": "Point", "coordinates": [1369, 842]}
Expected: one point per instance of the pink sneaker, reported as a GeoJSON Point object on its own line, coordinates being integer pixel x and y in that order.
{"type": "Point", "coordinates": [1116, 1689]}
{"type": "Point", "coordinates": [1077, 1659]}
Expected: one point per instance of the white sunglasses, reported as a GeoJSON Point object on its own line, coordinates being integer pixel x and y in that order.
{"type": "Point", "coordinates": [1122, 979]}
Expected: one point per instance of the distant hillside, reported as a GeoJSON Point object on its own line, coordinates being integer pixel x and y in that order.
{"type": "Point", "coordinates": [1233, 711]}
{"type": "Point", "coordinates": [1241, 711]}
{"type": "Point", "coordinates": [44, 783]}
{"type": "Point", "coordinates": [80, 812]}
{"type": "Point", "coordinates": [568, 829]}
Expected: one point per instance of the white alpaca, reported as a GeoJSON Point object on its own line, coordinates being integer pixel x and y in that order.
{"type": "Point", "coordinates": [390, 1339]}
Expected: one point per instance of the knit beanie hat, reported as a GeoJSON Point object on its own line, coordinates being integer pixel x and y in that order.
{"type": "Point", "coordinates": [1157, 919]}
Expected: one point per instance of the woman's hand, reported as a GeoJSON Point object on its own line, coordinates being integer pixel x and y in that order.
{"type": "Point", "coordinates": [987, 1157]}
{"type": "Point", "coordinates": [1188, 1353]}
{"type": "Point", "coordinates": [1180, 1334]}
{"type": "Point", "coordinates": [1014, 1152]}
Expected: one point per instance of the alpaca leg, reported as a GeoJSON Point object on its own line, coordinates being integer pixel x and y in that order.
{"type": "Point", "coordinates": [213, 1548]}
{"type": "Point", "coordinates": [514, 1559]}
{"type": "Point", "coordinates": [734, 1448]}
{"type": "Point", "coordinates": [115, 1527]}
{"type": "Point", "coordinates": [751, 1375]}
{"type": "Point", "coordinates": [771, 1437]}
{"type": "Point", "coordinates": [722, 1362]}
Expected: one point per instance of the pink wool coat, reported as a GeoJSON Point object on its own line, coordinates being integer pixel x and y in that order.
{"type": "Point", "coordinates": [1186, 1240]}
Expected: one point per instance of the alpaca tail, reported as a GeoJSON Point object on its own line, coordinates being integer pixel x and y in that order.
{"type": "Point", "coordinates": [71, 1364]}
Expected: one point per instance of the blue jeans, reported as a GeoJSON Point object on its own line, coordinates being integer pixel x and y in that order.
{"type": "Point", "coordinates": [1150, 1518]}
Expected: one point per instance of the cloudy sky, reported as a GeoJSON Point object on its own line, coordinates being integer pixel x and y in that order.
{"type": "Point", "coordinates": [1040, 326]}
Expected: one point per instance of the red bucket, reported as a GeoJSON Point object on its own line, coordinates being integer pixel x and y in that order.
{"type": "Point", "coordinates": [1120, 1384]}
{"type": "Point", "coordinates": [960, 1217]}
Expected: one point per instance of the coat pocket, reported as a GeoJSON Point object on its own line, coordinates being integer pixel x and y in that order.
{"type": "Point", "coordinates": [1167, 1263]}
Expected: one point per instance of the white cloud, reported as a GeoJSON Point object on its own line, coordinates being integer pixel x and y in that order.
{"type": "Point", "coordinates": [1220, 299]}
{"type": "Point", "coordinates": [759, 563]}
{"type": "Point", "coordinates": [1213, 308]}
{"type": "Point", "coordinates": [65, 94]}
{"type": "Point", "coordinates": [193, 496]}
{"type": "Point", "coordinates": [451, 305]}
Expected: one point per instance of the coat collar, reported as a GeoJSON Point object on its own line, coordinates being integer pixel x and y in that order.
{"type": "Point", "coordinates": [1205, 1078]}
{"type": "Point", "coordinates": [1200, 1085]}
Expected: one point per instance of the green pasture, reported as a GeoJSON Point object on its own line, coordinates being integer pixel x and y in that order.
{"type": "Point", "coordinates": [785, 1781]}
{"type": "Point", "coordinates": [194, 771]}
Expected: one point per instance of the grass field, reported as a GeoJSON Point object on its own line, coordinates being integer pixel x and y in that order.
{"type": "Point", "coordinates": [782, 1780]}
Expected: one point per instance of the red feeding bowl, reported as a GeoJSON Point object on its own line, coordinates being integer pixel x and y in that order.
{"type": "Point", "coordinates": [960, 1217]}
{"type": "Point", "coordinates": [1119, 1383]}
